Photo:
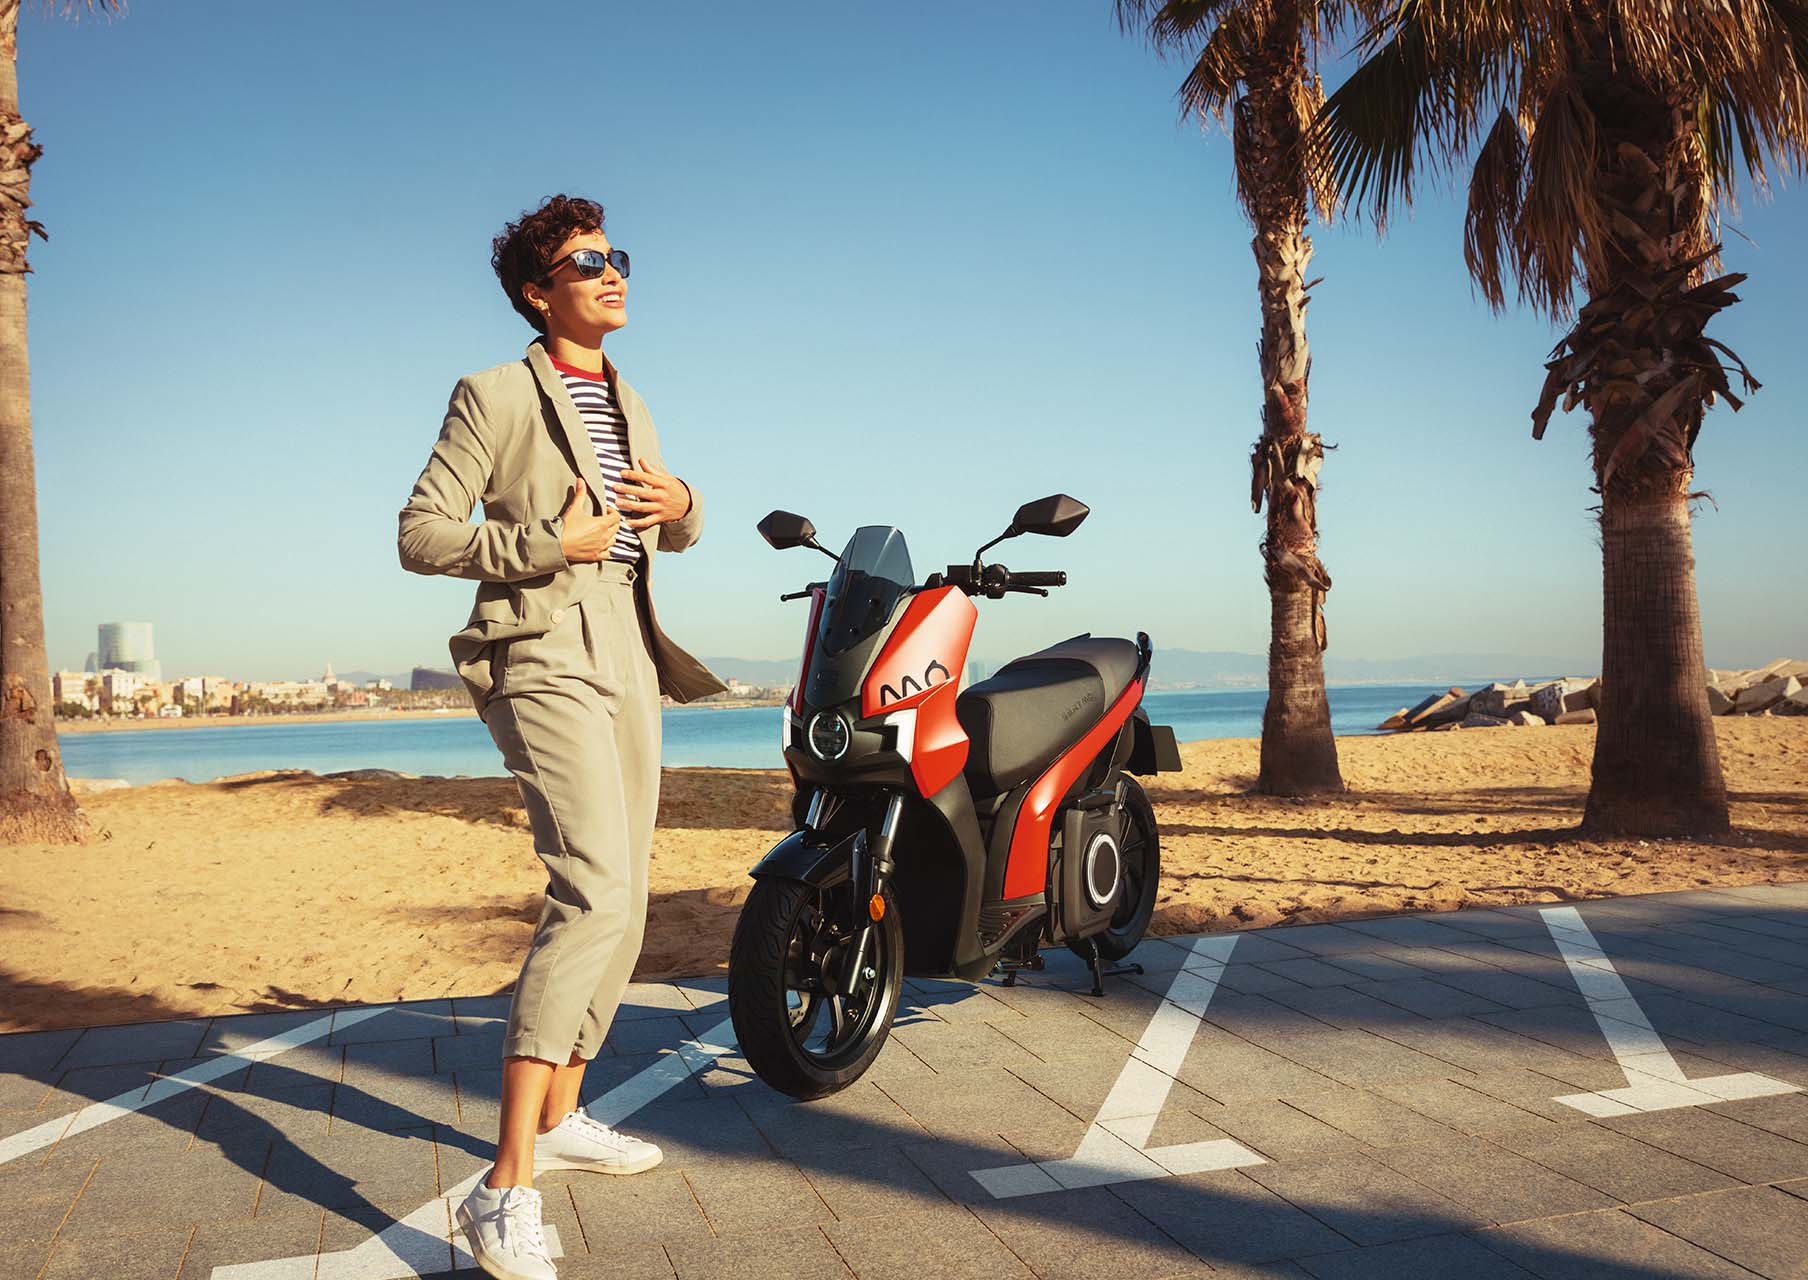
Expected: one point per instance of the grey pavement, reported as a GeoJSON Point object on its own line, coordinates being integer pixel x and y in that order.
{"type": "Point", "coordinates": [1608, 1089]}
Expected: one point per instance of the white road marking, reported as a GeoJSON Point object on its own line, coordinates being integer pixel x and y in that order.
{"type": "Point", "coordinates": [1115, 1148]}
{"type": "Point", "coordinates": [425, 1242]}
{"type": "Point", "coordinates": [124, 1104]}
{"type": "Point", "coordinates": [1654, 1081]}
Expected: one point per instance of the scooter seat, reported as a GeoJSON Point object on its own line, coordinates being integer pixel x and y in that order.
{"type": "Point", "coordinates": [1038, 705]}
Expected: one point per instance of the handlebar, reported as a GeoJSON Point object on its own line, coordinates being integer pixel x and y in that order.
{"type": "Point", "coordinates": [994, 580]}
{"type": "Point", "coordinates": [1037, 578]}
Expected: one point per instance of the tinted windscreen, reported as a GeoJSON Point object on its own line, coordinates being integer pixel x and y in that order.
{"type": "Point", "coordinates": [874, 572]}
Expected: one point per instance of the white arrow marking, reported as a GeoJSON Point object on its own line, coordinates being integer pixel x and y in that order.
{"type": "Point", "coordinates": [1654, 1082]}
{"type": "Point", "coordinates": [1121, 1153]}
{"type": "Point", "coordinates": [423, 1242]}
{"type": "Point", "coordinates": [98, 1113]}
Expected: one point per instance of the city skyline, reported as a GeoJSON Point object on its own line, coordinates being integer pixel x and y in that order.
{"type": "Point", "coordinates": [918, 294]}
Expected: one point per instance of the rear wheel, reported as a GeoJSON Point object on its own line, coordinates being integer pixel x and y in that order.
{"type": "Point", "coordinates": [1139, 854]}
{"type": "Point", "coordinates": [799, 1031]}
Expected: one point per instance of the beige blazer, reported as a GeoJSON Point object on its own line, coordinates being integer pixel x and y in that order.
{"type": "Point", "coordinates": [513, 441]}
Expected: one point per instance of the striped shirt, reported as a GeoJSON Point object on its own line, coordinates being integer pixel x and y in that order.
{"type": "Point", "coordinates": [608, 431]}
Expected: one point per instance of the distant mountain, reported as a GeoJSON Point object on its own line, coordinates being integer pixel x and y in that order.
{"type": "Point", "coordinates": [365, 677]}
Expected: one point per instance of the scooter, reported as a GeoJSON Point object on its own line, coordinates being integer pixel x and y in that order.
{"type": "Point", "coordinates": [941, 832]}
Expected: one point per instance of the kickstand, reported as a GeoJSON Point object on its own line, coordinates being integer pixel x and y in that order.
{"type": "Point", "coordinates": [1100, 973]}
{"type": "Point", "coordinates": [1035, 964]}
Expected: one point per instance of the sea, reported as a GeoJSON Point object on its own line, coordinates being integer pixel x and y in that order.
{"type": "Point", "coordinates": [732, 738]}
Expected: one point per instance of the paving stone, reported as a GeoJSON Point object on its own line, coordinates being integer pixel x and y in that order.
{"type": "Point", "coordinates": [1080, 1235]}
{"type": "Point", "coordinates": [1452, 1103]}
{"type": "Point", "coordinates": [1760, 1228]}
{"type": "Point", "coordinates": [972, 1004]}
{"type": "Point", "coordinates": [1785, 1115]}
{"type": "Point", "coordinates": [241, 1031]}
{"type": "Point", "coordinates": [482, 1013]}
{"type": "Point", "coordinates": [395, 1104]}
{"type": "Point", "coordinates": [458, 1153]}
{"type": "Point", "coordinates": [83, 1086]}
{"type": "Point", "coordinates": [1225, 1217]}
{"type": "Point", "coordinates": [237, 1118]}
{"type": "Point", "coordinates": [628, 1262]}
{"type": "Point", "coordinates": [1362, 1199]}
{"type": "Point", "coordinates": [862, 1115]}
{"type": "Point", "coordinates": [1434, 1258]}
{"type": "Point", "coordinates": [310, 1063]}
{"type": "Point", "coordinates": [1492, 923]}
{"type": "Point", "coordinates": [1515, 991]}
{"type": "Point", "coordinates": [1347, 1009]}
{"type": "Point", "coordinates": [647, 1035]}
{"type": "Point", "coordinates": [698, 1133]}
{"type": "Point", "coordinates": [374, 1063]}
{"type": "Point", "coordinates": [1718, 1141]}
{"type": "Point", "coordinates": [942, 1242]}
{"type": "Point", "coordinates": [1573, 1030]}
{"type": "Point", "coordinates": [136, 1042]}
{"type": "Point", "coordinates": [983, 1104]}
{"type": "Point", "coordinates": [428, 1251]}
{"type": "Point", "coordinates": [1310, 971]}
{"type": "Point", "coordinates": [1261, 946]}
{"type": "Point", "coordinates": [412, 1021]}
{"type": "Point", "coordinates": [470, 1050]}
{"type": "Point", "coordinates": [1081, 1086]}
{"type": "Point", "coordinates": [1313, 939]}
{"type": "Point", "coordinates": [773, 1255]}
{"type": "Point", "coordinates": [878, 1182]}
{"type": "Point", "coordinates": [19, 1099]}
{"type": "Point", "coordinates": [1428, 997]}
{"type": "Point", "coordinates": [345, 1170]}
{"type": "Point", "coordinates": [950, 1048]}
{"type": "Point", "coordinates": [1061, 1037]}
{"type": "Point", "coordinates": [1373, 967]}
{"type": "Point", "coordinates": [179, 1190]}
{"type": "Point", "coordinates": [154, 1252]}
{"type": "Point", "coordinates": [654, 1207]}
{"type": "Point", "coordinates": [1254, 979]}
{"type": "Point", "coordinates": [950, 1165]}
{"type": "Point", "coordinates": [1492, 1181]}
{"type": "Point", "coordinates": [1675, 1018]}
{"type": "Point", "coordinates": [292, 1234]}
{"type": "Point", "coordinates": [1357, 1057]}
{"type": "Point", "coordinates": [38, 1197]}
{"type": "Point", "coordinates": [35, 1052]}
{"type": "Point", "coordinates": [1370, 1118]}
{"type": "Point", "coordinates": [1229, 1069]}
{"type": "Point", "coordinates": [1411, 931]}
{"type": "Point", "coordinates": [1612, 1162]}
{"type": "Point", "coordinates": [1611, 1245]}
{"type": "Point", "coordinates": [742, 1198]}
{"type": "Point", "coordinates": [1277, 1130]}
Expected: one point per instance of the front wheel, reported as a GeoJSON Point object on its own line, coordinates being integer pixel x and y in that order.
{"type": "Point", "coordinates": [1139, 849]}
{"type": "Point", "coordinates": [798, 1030]}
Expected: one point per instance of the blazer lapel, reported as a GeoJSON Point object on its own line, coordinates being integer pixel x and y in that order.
{"type": "Point", "coordinates": [576, 438]}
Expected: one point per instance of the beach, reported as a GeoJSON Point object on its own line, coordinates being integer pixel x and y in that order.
{"type": "Point", "coordinates": [286, 890]}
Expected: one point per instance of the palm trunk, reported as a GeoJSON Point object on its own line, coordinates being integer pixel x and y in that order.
{"type": "Point", "coordinates": [1299, 754]}
{"type": "Point", "coordinates": [1657, 764]}
{"type": "Point", "coordinates": [1639, 360]}
{"type": "Point", "coordinates": [35, 800]}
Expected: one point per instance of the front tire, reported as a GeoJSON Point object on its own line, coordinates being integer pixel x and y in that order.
{"type": "Point", "coordinates": [1139, 845]}
{"type": "Point", "coordinates": [797, 1036]}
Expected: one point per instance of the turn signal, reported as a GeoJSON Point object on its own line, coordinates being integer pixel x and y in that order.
{"type": "Point", "coordinates": [875, 907]}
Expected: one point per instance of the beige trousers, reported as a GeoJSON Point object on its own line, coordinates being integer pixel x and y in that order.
{"type": "Point", "coordinates": [575, 713]}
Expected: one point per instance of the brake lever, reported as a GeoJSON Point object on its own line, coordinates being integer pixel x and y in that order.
{"type": "Point", "coordinates": [1029, 591]}
{"type": "Point", "coordinates": [796, 595]}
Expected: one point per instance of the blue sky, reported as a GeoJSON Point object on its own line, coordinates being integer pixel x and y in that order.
{"type": "Point", "coordinates": [893, 264]}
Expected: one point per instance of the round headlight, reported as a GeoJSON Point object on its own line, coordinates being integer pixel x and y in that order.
{"type": "Point", "coordinates": [829, 735]}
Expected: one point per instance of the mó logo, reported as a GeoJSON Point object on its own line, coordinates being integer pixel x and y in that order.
{"type": "Point", "coordinates": [908, 686]}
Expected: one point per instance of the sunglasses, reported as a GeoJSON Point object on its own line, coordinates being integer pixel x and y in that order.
{"type": "Point", "coordinates": [591, 263]}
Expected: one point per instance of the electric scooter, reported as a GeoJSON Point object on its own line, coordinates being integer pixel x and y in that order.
{"type": "Point", "coordinates": [941, 831]}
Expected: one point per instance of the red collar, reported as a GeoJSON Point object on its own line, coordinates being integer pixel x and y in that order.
{"type": "Point", "coordinates": [601, 375]}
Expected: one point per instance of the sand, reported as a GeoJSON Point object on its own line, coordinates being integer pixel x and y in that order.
{"type": "Point", "coordinates": [287, 890]}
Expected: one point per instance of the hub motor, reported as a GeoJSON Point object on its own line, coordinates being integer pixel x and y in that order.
{"type": "Point", "coordinates": [1102, 865]}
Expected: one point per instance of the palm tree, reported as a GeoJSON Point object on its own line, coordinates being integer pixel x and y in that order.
{"type": "Point", "coordinates": [1251, 64]}
{"type": "Point", "coordinates": [1611, 132]}
{"type": "Point", "coordinates": [35, 800]}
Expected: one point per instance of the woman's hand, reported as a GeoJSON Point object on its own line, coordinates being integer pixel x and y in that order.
{"type": "Point", "coordinates": [587, 537]}
{"type": "Point", "coordinates": [652, 496]}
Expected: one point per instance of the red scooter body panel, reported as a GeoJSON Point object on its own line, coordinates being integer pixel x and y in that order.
{"type": "Point", "coordinates": [1026, 871]}
{"type": "Point", "coordinates": [817, 596]}
{"type": "Point", "coordinates": [919, 667]}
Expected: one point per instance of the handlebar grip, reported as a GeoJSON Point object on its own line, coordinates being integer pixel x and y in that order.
{"type": "Point", "coordinates": [1039, 578]}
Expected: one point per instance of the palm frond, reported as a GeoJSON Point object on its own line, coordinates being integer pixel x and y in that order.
{"type": "Point", "coordinates": [1496, 191]}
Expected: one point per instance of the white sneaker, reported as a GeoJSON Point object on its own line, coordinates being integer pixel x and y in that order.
{"type": "Point", "coordinates": [502, 1228]}
{"type": "Point", "coordinates": [579, 1142]}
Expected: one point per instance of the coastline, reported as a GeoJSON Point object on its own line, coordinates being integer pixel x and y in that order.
{"type": "Point", "coordinates": [126, 724]}
{"type": "Point", "coordinates": [294, 890]}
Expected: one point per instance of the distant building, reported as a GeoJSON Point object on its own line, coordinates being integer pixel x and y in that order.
{"type": "Point", "coordinates": [72, 686]}
{"type": "Point", "coordinates": [433, 678]}
{"type": "Point", "coordinates": [293, 693]}
{"type": "Point", "coordinates": [126, 646]}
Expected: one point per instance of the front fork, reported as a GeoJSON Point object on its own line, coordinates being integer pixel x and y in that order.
{"type": "Point", "coordinates": [869, 875]}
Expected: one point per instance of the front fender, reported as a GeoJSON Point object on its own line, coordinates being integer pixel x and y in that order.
{"type": "Point", "coordinates": [818, 860]}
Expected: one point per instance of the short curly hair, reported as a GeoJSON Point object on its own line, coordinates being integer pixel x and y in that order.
{"type": "Point", "coordinates": [524, 249]}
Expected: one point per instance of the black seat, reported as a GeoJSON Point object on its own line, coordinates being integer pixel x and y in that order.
{"type": "Point", "coordinates": [1037, 705]}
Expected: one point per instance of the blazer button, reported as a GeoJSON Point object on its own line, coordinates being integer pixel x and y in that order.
{"type": "Point", "coordinates": [558, 616]}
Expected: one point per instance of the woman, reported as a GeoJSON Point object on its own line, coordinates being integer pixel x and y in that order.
{"type": "Point", "coordinates": [565, 662]}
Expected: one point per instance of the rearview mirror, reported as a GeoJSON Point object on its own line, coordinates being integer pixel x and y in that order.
{"type": "Point", "coordinates": [783, 529]}
{"type": "Point", "coordinates": [1056, 516]}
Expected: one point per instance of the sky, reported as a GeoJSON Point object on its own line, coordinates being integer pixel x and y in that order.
{"type": "Point", "coordinates": [904, 265]}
